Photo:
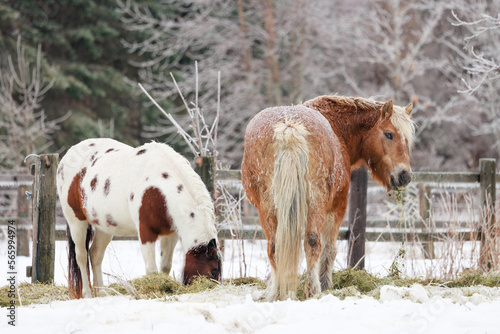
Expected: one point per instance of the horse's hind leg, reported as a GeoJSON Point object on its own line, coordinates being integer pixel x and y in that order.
{"type": "Point", "coordinates": [329, 251]}
{"type": "Point", "coordinates": [148, 253]}
{"type": "Point", "coordinates": [167, 246]}
{"type": "Point", "coordinates": [79, 236]}
{"type": "Point", "coordinates": [101, 241]}
{"type": "Point", "coordinates": [272, 291]}
{"type": "Point", "coordinates": [269, 224]}
{"type": "Point", "coordinates": [312, 248]}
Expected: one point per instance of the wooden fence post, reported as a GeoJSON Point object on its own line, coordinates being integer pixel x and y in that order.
{"type": "Point", "coordinates": [23, 236]}
{"type": "Point", "coordinates": [357, 218]}
{"type": "Point", "coordinates": [487, 183]}
{"type": "Point", "coordinates": [205, 167]}
{"type": "Point", "coordinates": [44, 218]}
{"type": "Point", "coordinates": [425, 195]}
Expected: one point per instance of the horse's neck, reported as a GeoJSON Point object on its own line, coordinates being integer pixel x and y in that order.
{"type": "Point", "coordinates": [195, 232]}
{"type": "Point", "coordinates": [351, 129]}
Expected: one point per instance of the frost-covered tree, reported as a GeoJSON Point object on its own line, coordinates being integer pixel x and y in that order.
{"type": "Point", "coordinates": [269, 53]}
{"type": "Point", "coordinates": [481, 66]}
{"type": "Point", "coordinates": [285, 52]}
{"type": "Point", "coordinates": [403, 53]}
{"type": "Point", "coordinates": [24, 128]}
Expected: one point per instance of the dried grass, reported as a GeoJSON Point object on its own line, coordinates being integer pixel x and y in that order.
{"type": "Point", "coordinates": [34, 294]}
{"type": "Point", "coordinates": [160, 285]}
{"type": "Point", "coordinates": [347, 282]}
{"type": "Point", "coordinates": [461, 237]}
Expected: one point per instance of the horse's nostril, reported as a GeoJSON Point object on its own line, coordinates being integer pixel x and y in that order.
{"type": "Point", "coordinates": [404, 178]}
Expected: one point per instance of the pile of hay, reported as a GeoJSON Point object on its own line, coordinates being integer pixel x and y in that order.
{"type": "Point", "coordinates": [347, 282]}
{"type": "Point", "coordinates": [28, 293]}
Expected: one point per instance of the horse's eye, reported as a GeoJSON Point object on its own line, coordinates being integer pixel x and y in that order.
{"type": "Point", "coordinates": [214, 273]}
{"type": "Point", "coordinates": [388, 135]}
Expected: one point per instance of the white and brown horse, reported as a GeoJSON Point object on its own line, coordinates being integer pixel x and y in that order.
{"type": "Point", "coordinates": [150, 191]}
{"type": "Point", "coordinates": [296, 171]}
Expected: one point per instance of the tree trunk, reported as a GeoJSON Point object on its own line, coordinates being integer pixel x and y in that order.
{"type": "Point", "coordinates": [274, 90]}
{"type": "Point", "coordinates": [246, 48]}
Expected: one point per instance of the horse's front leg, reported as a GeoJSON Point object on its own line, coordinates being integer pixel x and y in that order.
{"type": "Point", "coordinates": [167, 246]}
{"type": "Point", "coordinates": [148, 253]}
{"type": "Point", "coordinates": [101, 241]}
{"type": "Point", "coordinates": [312, 248]}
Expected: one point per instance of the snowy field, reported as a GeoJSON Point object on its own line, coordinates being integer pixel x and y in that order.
{"type": "Point", "coordinates": [230, 309]}
{"type": "Point", "coordinates": [233, 310]}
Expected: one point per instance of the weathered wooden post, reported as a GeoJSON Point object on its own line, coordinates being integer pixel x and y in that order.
{"type": "Point", "coordinates": [23, 237]}
{"type": "Point", "coordinates": [425, 195]}
{"type": "Point", "coordinates": [487, 182]}
{"type": "Point", "coordinates": [205, 167]}
{"type": "Point", "coordinates": [44, 218]}
{"type": "Point", "coordinates": [357, 218]}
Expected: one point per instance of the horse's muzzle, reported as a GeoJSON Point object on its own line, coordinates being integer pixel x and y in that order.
{"type": "Point", "coordinates": [400, 178]}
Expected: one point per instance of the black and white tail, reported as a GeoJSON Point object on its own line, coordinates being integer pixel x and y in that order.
{"type": "Point", "coordinates": [74, 273]}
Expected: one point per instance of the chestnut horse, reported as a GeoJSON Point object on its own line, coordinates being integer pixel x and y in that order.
{"type": "Point", "coordinates": [150, 191]}
{"type": "Point", "coordinates": [296, 171]}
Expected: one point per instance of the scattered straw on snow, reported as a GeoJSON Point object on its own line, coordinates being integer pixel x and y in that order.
{"type": "Point", "coordinates": [471, 286]}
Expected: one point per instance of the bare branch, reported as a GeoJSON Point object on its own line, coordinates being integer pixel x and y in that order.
{"type": "Point", "coordinates": [202, 132]}
{"type": "Point", "coordinates": [180, 130]}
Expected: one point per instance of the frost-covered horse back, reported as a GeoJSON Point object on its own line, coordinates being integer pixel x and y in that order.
{"type": "Point", "coordinates": [150, 191]}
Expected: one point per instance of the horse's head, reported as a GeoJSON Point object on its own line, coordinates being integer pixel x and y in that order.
{"type": "Point", "coordinates": [203, 260]}
{"type": "Point", "coordinates": [386, 148]}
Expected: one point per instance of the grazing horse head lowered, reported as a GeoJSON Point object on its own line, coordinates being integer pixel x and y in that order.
{"type": "Point", "coordinates": [296, 171]}
{"type": "Point", "coordinates": [151, 192]}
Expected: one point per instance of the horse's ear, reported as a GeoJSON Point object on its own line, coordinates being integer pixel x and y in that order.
{"type": "Point", "coordinates": [409, 109]}
{"type": "Point", "coordinates": [212, 247]}
{"type": "Point", "coordinates": [387, 110]}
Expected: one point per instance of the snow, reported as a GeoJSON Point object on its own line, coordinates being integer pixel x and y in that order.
{"type": "Point", "coordinates": [232, 309]}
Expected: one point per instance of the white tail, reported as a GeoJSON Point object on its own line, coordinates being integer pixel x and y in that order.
{"type": "Point", "coordinates": [290, 190]}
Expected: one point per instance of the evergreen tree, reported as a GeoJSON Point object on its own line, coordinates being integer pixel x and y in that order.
{"type": "Point", "coordinates": [82, 52]}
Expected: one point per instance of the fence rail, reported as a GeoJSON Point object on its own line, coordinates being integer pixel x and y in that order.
{"type": "Point", "coordinates": [44, 208]}
{"type": "Point", "coordinates": [418, 177]}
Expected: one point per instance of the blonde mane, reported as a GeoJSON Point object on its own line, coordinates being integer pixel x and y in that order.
{"type": "Point", "coordinates": [403, 122]}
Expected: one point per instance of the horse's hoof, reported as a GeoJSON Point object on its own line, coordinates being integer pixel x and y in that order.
{"type": "Point", "coordinates": [101, 293]}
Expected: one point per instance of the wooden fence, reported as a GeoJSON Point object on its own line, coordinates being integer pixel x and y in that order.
{"type": "Point", "coordinates": [357, 233]}
{"type": "Point", "coordinates": [44, 210]}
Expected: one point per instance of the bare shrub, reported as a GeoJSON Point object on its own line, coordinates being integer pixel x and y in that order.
{"type": "Point", "coordinates": [459, 236]}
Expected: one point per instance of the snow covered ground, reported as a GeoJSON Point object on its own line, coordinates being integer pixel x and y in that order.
{"type": "Point", "coordinates": [233, 310]}
{"type": "Point", "coordinates": [230, 309]}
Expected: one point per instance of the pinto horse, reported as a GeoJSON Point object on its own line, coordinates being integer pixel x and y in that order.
{"type": "Point", "coordinates": [150, 191]}
{"type": "Point", "coordinates": [296, 171]}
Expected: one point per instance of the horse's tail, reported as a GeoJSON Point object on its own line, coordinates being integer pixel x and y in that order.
{"type": "Point", "coordinates": [74, 273]}
{"type": "Point", "coordinates": [290, 190]}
